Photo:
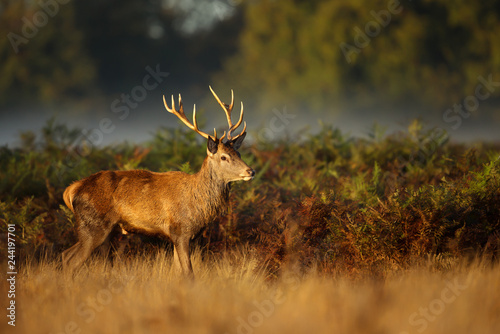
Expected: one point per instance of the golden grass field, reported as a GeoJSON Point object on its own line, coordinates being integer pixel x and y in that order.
{"type": "Point", "coordinates": [233, 295]}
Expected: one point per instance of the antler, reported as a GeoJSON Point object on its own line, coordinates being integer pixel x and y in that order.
{"type": "Point", "coordinates": [182, 116]}
{"type": "Point", "coordinates": [228, 109]}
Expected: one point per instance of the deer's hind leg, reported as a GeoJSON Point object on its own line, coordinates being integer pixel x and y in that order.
{"type": "Point", "coordinates": [92, 232]}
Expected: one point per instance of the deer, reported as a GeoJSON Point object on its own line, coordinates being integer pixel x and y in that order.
{"type": "Point", "coordinates": [172, 204]}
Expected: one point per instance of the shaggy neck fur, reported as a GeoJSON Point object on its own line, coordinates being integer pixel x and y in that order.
{"type": "Point", "coordinates": [211, 192]}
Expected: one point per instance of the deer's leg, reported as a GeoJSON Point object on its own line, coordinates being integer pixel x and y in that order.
{"type": "Point", "coordinates": [121, 241]}
{"type": "Point", "coordinates": [114, 245]}
{"type": "Point", "coordinates": [182, 259]}
{"type": "Point", "coordinates": [69, 253]}
{"type": "Point", "coordinates": [105, 248]}
{"type": "Point", "coordinates": [89, 237]}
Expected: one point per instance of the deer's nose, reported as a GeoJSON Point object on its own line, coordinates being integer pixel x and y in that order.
{"type": "Point", "coordinates": [251, 172]}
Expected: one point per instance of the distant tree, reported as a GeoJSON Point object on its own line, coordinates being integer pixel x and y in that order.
{"type": "Point", "coordinates": [49, 54]}
{"type": "Point", "coordinates": [123, 37]}
{"type": "Point", "coordinates": [317, 53]}
{"type": "Point", "coordinates": [41, 55]}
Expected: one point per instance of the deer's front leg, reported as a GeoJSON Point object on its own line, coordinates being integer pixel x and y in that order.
{"type": "Point", "coordinates": [182, 259]}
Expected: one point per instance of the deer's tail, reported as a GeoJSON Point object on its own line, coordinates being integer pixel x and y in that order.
{"type": "Point", "coordinates": [69, 194]}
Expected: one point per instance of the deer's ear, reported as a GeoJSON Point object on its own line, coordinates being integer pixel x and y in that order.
{"type": "Point", "coordinates": [212, 145]}
{"type": "Point", "coordinates": [237, 143]}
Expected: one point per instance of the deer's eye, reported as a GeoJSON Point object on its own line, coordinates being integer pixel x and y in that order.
{"type": "Point", "coordinates": [223, 158]}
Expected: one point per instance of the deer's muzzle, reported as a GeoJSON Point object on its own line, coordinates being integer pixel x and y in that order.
{"type": "Point", "coordinates": [248, 175]}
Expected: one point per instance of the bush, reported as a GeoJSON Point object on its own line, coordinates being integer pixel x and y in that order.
{"type": "Point", "coordinates": [344, 203]}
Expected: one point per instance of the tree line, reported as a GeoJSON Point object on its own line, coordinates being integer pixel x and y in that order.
{"type": "Point", "coordinates": [311, 54]}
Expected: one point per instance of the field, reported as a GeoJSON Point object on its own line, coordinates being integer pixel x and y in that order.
{"type": "Point", "coordinates": [232, 294]}
{"type": "Point", "coordinates": [388, 234]}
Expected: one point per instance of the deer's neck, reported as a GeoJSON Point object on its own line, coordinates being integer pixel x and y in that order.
{"type": "Point", "coordinates": [210, 191]}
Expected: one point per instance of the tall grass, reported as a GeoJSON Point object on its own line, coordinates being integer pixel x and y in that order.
{"type": "Point", "coordinates": [233, 294]}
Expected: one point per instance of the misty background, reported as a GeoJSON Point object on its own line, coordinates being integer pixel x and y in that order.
{"type": "Point", "coordinates": [104, 65]}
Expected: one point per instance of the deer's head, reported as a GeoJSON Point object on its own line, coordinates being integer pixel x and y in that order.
{"type": "Point", "coordinates": [222, 155]}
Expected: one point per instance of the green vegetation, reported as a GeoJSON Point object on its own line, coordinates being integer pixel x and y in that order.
{"type": "Point", "coordinates": [345, 204]}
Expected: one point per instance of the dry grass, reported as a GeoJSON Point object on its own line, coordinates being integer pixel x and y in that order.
{"type": "Point", "coordinates": [233, 295]}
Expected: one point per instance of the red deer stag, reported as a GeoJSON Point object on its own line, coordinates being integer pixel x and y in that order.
{"type": "Point", "coordinates": [173, 204]}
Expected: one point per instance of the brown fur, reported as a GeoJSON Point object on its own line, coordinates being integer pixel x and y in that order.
{"type": "Point", "coordinates": [173, 204]}
{"type": "Point", "coordinates": [69, 194]}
